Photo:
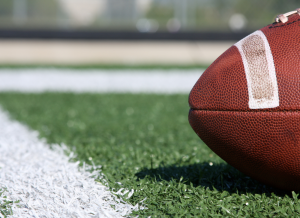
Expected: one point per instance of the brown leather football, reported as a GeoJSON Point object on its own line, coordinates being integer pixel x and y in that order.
{"type": "Point", "coordinates": [246, 105]}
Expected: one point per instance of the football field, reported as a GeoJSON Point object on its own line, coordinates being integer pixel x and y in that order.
{"type": "Point", "coordinates": [113, 143]}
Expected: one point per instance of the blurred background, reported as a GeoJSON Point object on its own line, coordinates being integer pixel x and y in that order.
{"type": "Point", "coordinates": [142, 15]}
{"type": "Point", "coordinates": [201, 29]}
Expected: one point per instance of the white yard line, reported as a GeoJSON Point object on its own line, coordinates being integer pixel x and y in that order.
{"type": "Point", "coordinates": [44, 180]}
{"type": "Point", "coordinates": [133, 81]}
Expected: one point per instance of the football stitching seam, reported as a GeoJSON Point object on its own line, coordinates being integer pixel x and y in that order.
{"type": "Point", "coordinates": [271, 27]}
{"type": "Point", "coordinates": [248, 111]}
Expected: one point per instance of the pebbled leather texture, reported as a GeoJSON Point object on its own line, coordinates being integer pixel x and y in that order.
{"type": "Point", "coordinates": [262, 143]}
{"type": "Point", "coordinates": [284, 40]}
{"type": "Point", "coordinates": [223, 85]}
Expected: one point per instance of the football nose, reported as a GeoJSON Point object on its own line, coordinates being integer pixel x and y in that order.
{"type": "Point", "coordinates": [223, 86]}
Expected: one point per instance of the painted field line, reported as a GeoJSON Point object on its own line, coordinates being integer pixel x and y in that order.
{"type": "Point", "coordinates": [118, 81]}
{"type": "Point", "coordinates": [43, 179]}
{"type": "Point", "coordinates": [45, 182]}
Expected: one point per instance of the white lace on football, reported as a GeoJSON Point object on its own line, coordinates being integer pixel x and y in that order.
{"type": "Point", "coordinates": [284, 17]}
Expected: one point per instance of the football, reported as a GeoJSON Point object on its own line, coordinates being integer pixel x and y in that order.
{"type": "Point", "coordinates": [246, 105]}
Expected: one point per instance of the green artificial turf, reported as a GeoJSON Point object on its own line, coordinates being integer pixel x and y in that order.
{"type": "Point", "coordinates": [144, 142]}
{"type": "Point", "coordinates": [5, 205]}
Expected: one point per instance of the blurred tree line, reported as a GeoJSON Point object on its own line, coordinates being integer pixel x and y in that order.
{"type": "Point", "coordinates": [181, 15]}
{"type": "Point", "coordinates": [28, 13]}
{"type": "Point", "coordinates": [215, 14]}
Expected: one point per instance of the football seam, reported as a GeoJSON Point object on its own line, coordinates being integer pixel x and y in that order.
{"type": "Point", "coordinates": [252, 111]}
{"type": "Point", "coordinates": [272, 27]}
